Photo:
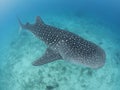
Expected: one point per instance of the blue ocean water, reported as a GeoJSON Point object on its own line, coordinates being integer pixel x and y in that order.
{"type": "Point", "coordinates": [97, 21]}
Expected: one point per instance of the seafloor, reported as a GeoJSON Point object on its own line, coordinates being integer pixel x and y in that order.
{"type": "Point", "coordinates": [17, 73]}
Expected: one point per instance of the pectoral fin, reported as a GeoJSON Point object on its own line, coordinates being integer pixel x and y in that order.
{"type": "Point", "coordinates": [48, 57]}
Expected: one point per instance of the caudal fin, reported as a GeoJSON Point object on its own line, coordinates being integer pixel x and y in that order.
{"type": "Point", "coordinates": [21, 25]}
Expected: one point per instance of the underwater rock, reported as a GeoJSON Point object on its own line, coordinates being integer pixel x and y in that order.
{"type": "Point", "coordinates": [51, 87]}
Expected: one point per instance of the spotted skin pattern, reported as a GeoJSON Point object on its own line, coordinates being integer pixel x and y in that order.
{"type": "Point", "coordinates": [65, 45]}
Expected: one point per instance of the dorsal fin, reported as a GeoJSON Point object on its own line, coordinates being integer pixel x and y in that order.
{"type": "Point", "coordinates": [39, 20]}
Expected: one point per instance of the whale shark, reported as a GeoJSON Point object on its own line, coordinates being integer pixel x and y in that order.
{"type": "Point", "coordinates": [65, 45]}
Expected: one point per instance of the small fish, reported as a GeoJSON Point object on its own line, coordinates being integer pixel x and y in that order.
{"type": "Point", "coordinates": [65, 45]}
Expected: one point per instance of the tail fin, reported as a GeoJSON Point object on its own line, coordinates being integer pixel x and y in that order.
{"type": "Point", "coordinates": [20, 29]}
{"type": "Point", "coordinates": [21, 25]}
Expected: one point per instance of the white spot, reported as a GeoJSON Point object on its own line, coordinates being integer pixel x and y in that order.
{"type": "Point", "coordinates": [62, 40]}
{"type": "Point", "coordinates": [66, 40]}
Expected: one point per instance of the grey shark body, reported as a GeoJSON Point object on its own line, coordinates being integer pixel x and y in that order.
{"type": "Point", "coordinates": [64, 45]}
